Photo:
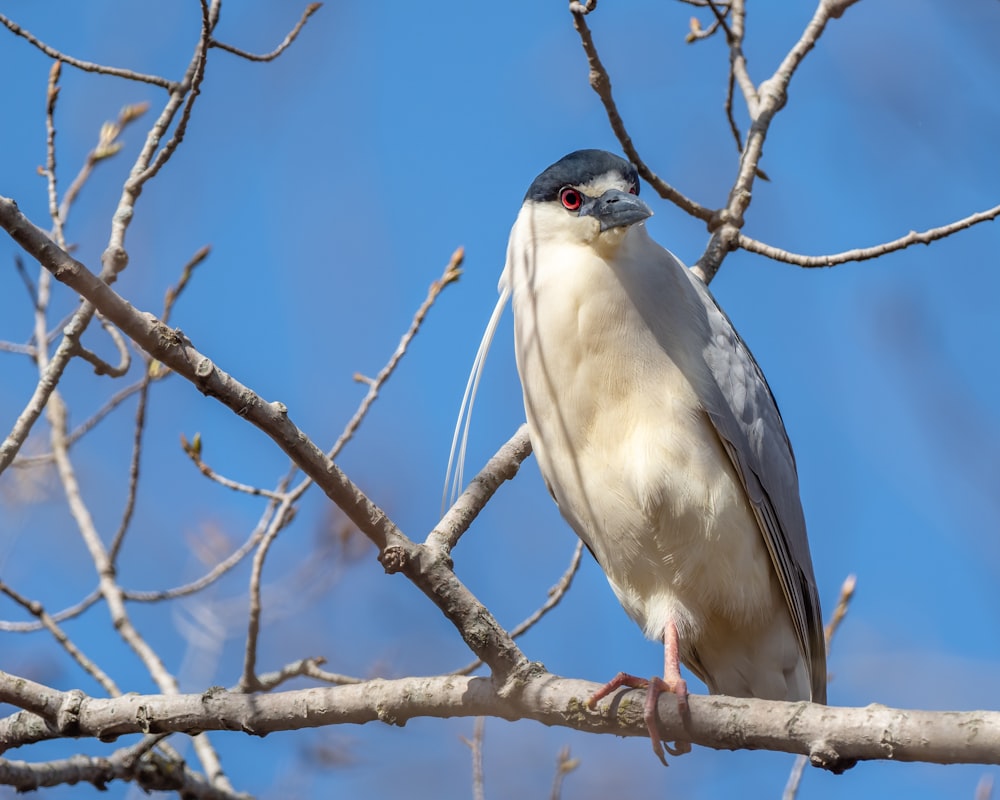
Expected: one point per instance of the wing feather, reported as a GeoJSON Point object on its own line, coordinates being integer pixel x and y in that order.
{"type": "Point", "coordinates": [749, 425]}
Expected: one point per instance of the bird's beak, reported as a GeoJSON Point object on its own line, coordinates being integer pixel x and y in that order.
{"type": "Point", "coordinates": [616, 209]}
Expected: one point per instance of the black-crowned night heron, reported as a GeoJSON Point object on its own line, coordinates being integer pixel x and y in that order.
{"type": "Point", "coordinates": [660, 440]}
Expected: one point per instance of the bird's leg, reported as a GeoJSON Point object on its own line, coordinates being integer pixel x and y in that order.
{"type": "Point", "coordinates": [670, 682]}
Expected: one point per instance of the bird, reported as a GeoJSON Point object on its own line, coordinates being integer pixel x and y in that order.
{"type": "Point", "coordinates": [660, 441]}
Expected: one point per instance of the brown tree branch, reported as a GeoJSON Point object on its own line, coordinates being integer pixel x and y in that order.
{"type": "Point", "coordinates": [429, 571]}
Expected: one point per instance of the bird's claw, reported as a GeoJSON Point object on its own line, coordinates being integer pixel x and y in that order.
{"type": "Point", "coordinates": [654, 686]}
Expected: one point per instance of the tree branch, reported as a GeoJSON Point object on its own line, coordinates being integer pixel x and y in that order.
{"type": "Point", "coordinates": [833, 738]}
{"type": "Point", "coordinates": [866, 253]}
{"type": "Point", "coordinates": [429, 571]}
{"type": "Point", "coordinates": [86, 66]}
{"type": "Point", "coordinates": [308, 12]}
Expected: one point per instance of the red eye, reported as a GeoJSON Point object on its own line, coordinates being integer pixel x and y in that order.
{"type": "Point", "coordinates": [570, 198]}
{"type": "Point", "coordinates": [633, 189]}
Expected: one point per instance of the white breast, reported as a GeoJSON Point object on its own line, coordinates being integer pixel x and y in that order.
{"type": "Point", "coordinates": [610, 374]}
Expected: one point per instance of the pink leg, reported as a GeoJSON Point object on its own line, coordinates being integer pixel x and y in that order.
{"type": "Point", "coordinates": [671, 682]}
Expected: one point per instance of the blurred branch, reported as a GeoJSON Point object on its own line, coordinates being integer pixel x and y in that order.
{"type": "Point", "coordinates": [834, 738]}
{"type": "Point", "coordinates": [108, 145]}
{"type": "Point", "coordinates": [60, 616]}
{"type": "Point", "coordinates": [865, 253]}
{"type": "Point", "coordinates": [37, 610]}
{"type": "Point", "coordinates": [432, 576]}
{"type": "Point", "coordinates": [151, 773]}
{"type": "Point", "coordinates": [193, 451]}
{"type": "Point", "coordinates": [476, 746]}
{"type": "Point", "coordinates": [564, 766]}
{"type": "Point", "coordinates": [309, 11]}
{"type": "Point", "coordinates": [556, 594]}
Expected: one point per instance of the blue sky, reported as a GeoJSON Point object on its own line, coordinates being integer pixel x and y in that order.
{"type": "Point", "coordinates": [333, 186]}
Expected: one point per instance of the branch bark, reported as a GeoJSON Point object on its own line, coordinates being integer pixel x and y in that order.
{"type": "Point", "coordinates": [833, 738]}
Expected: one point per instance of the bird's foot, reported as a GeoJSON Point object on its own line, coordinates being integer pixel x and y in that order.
{"type": "Point", "coordinates": [654, 686]}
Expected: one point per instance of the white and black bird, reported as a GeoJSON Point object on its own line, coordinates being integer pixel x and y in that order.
{"type": "Point", "coordinates": [660, 441]}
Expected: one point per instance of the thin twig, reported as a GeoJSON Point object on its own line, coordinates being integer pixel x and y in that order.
{"type": "Point", "coordinates": [309, 11]}
{"type": "Point", "coordinates": [476, 746]}
{"type": "Point", "coordinates": [564, 766]}
{"type": "Point", "coordinates": [52, 94]}
{"type": "Point", "coordinates": [187, 272]}
{"type": "Point", "coordinates": [102, 367]}
{"type": "Point", "coordinates": [307, 667]}
{"type": "Point", "coordinates": [60, 616]}
{"type": "Point", "coordinates": [556, 594]}
{"type": "Point", "coordinates": [86, 66]}
{"type": "Point", "coordinates": [193, 451]}
{"type": "Point", "coordinates": [763, 103]}
{"type": "Point", "coordinates": [138, 429]}
{"type": "Point", "coordinates": [451, 273]}
{"type": "Point", "coordinates": [108, 145]}
{"type": "Point", "coordinates": [249, 680]}
{"type": "Point", "coordinates": [91, 422]}
{"type": "Point", "coordinates": [601, 83]}
{"type": "Point", "coordinates": [37, 610]}
{"type": "Point", "coordinates": [866, 253]}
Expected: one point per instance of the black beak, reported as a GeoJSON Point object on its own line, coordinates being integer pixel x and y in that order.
{"type": "Point", "coordinates": [616, 209]}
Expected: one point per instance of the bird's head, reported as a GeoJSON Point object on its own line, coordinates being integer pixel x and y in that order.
{"type": "Point", "coordinates": [590, 196]}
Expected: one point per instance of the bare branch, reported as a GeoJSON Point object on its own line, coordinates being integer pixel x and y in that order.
{"type": "Point", "coordinates": [434, 577]}
{"type": "Point", "coordinates": [834, 738]}
{"type": "Point", "coordinates": [187, 272]}
{"type": "Point", "coordinates": [451, 273]}
{"type": "Point", "coordinates": [556, 594]}
{"type": "Point", "coordinates": [52, 94]}
{"type": "Point", "coordinates": [564, 766]}
{"type": "Point", "coordinates": [837, 617]}
{"type": "Point", "coordinates": [107, 146]}
{"type": "Point", "coordinates": [309, 11]}
{"type": "Point", "coordinates": [601, 83]}
{"type": "Point", "coordinates": [151, 773]}
{"type": "Point", "coordinates": [60, 616]}
{"type": "Point", "coordinates": [86, 66]}
{"type": "Point", "coordinates": [193, 451]}
{"type": "Point", "coordinates": [138, 429]}
{"type": "Point", "coordinates": [216, 572]}
{"type": "Point", "coordinates": [500, 468]}
{"type": "Point", "coordinates": [102, 367]}
{"type": "Point", "coordinates": [248, 680]}
{"type": "Point", "coordinates": [306, 667]}
{"type": "Point", "coordinates": [476, 746]}
{"type": "Point", "coordinates": [37, 610]}
{"type": "Point", "coordinates": [866, 253]}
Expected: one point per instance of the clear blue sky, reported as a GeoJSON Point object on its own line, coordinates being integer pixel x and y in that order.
{"type": "Point", "coordinates": [333, 186]}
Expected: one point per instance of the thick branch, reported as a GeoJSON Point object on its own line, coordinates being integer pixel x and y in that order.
{"type": "Point", "coordinates": [833, 738]}
{"type": "Point", "coordinates": [430, 572]}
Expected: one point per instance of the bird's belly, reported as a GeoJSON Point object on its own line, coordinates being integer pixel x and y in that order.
{"type": "Point", "coordinates": [639, 473]}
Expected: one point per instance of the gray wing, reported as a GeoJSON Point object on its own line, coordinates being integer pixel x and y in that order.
{"type": "Point", "coordinates": [746, 417]}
